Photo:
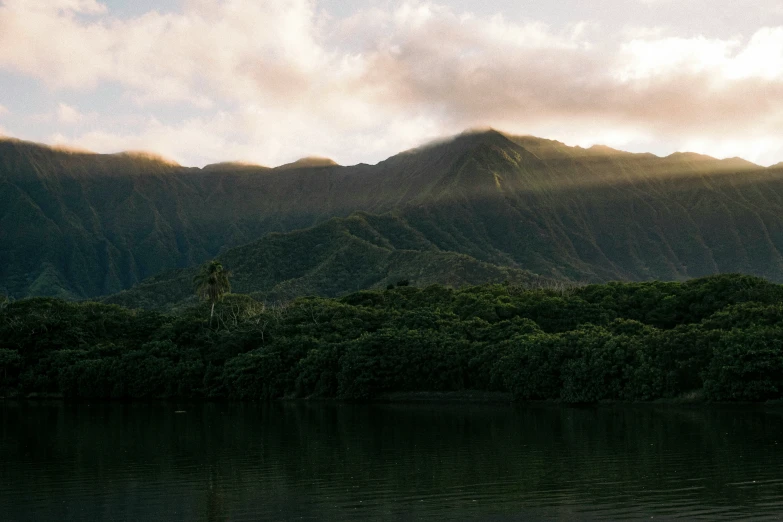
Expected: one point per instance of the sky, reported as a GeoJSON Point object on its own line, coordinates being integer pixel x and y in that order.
{"type": "Point", "coordinates": [268, 82]}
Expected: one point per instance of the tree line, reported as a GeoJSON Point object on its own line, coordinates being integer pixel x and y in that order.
{"type": "Point", "coordinates": [718, 338]}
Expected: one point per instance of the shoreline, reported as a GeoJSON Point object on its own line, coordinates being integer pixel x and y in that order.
{"type": "Point", "coordinates": [467, 397]}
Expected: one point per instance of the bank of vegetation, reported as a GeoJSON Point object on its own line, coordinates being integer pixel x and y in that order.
{"type": "Point", "coordinates": [720, 338]}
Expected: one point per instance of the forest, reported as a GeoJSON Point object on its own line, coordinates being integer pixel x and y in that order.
{"type": "Point", "coordinates": [718, 338]}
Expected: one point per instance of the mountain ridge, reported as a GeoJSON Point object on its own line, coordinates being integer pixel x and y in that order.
{"type": "Point", "coordinates": [306, 160]}
{"type": "Point", "coordinates": [81, 225]}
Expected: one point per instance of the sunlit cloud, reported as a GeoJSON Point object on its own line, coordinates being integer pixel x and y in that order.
{"type": "Point", "coordinates": [268, 82]}
{"type": "Point", "coordinates": [68, 115]}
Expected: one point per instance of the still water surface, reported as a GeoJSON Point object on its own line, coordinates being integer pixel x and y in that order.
{"type": "Point", "coordinates": [296, 461]}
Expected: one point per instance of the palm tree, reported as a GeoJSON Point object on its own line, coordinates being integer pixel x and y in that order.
{"type": "Point", "coordinates": [212, 283]}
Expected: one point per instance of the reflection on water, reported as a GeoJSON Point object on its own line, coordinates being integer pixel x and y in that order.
{"type": "Point", "coordinates": [283, 461]}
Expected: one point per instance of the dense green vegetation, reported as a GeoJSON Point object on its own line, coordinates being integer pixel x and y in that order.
{"type": "Point", "coordinates": [78, 225]}
{"type": "Point", "coordinates": [720, 338]}
{"type": "Point", "coordinates": [340, 256]}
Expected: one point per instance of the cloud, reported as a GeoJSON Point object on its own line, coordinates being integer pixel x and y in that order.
{"type": "Point", "coordinates": [68, 115]}
{"type": "Point", "coordinates": [3, 110]}
{"type": "Point", "coordinates": [254, 135]}
{"type": "Point", "coordinates": [79, 6]}
{"type": "Point", "coordinates": [266, 81]}
{"type": "Point", "coordinates": [92, 7]}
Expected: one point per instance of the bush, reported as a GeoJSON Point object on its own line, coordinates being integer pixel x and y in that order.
{"type": "Point", "coordinates": [747, 365]}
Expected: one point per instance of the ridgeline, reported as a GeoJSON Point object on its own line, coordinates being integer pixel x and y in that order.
{"type": "Point", "coordinates": [77, 225]}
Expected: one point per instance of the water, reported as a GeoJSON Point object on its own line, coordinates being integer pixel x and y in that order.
{"type": "Point", "coordinates": [321, 461]}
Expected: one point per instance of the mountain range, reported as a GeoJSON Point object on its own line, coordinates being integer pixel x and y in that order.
{"type": "Point", "coordinates": [482, 206]}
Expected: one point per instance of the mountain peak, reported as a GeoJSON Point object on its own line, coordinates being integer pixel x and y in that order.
{"type": "Point", "coordinates": [309, 162]}
{"type": "Point", "coordinates": [736, 161]}
{"type": "Point", "coordinates": [727, 163]}
{"type": "Point", "coordinates": [691, 156]}
{"type": "Point", "coordinates": [233, 166]}
{"type": "Point", "coordinates": [604, 149]}
{"type": "Point", "coordinates": [457, 144]}
{"type": "Point", "coordinates": [148, 156]}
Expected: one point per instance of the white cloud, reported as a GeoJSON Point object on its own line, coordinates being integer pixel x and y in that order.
{"type": "Point", "coordinates": [79, 6]}
{"type": "Point", "coordinates": [273, 80]}
{"type": "Point", "coordinates": [759, 57]}
{"type": "Point", "coordinates": [68, 115]}
{"type": "Point", "coordinates": [762, 57]}
{"type": "Point", "coordinates": [255, 135]}
{"type": "Point", "coordinates": [3, 110]}
{"type": "Point", "coordinates": [654, 59]}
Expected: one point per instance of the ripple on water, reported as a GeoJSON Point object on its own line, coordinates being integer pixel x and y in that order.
{"type": "Point", "coordinates": [382, 462]}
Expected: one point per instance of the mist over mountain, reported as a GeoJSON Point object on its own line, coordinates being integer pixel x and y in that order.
{"type": "Point", "coordinates": [309, 162]}
{"type": "Point", "coordinates": [75, 224]}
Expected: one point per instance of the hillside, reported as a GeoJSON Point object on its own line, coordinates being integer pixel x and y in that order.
{"type": "Point", "coordinates": [337, 257]}
{"type": "Point", "coordinates": [79, 225]}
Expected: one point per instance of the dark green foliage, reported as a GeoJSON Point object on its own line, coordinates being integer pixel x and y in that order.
{"type": "Point", "coordinates": [334, 258]}
{"type": "Point", "coordinates": [719, 337]}
{"type": "Point", "coordinates": [597, 365]}
{"type": "Point", "coordinates": [530, 366]}
{"type": "Point", "coordinates": [316, 373]}
{"type": "Point", "coordinates": [10, 362]}
{"type": "Point", "coordinates": [212, 282]}
{"type": "Point", "coordinates": [395, 359]}
{"type": "Point", "coordinates": [747, 365]}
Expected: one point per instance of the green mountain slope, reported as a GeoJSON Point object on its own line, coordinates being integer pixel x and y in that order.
{"type": "Point", "coordinates": [75, 224]}
{"type": "Point", "coordinates": [340, 256]}
{"type": "Point", "coordinates": [78, 225]}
